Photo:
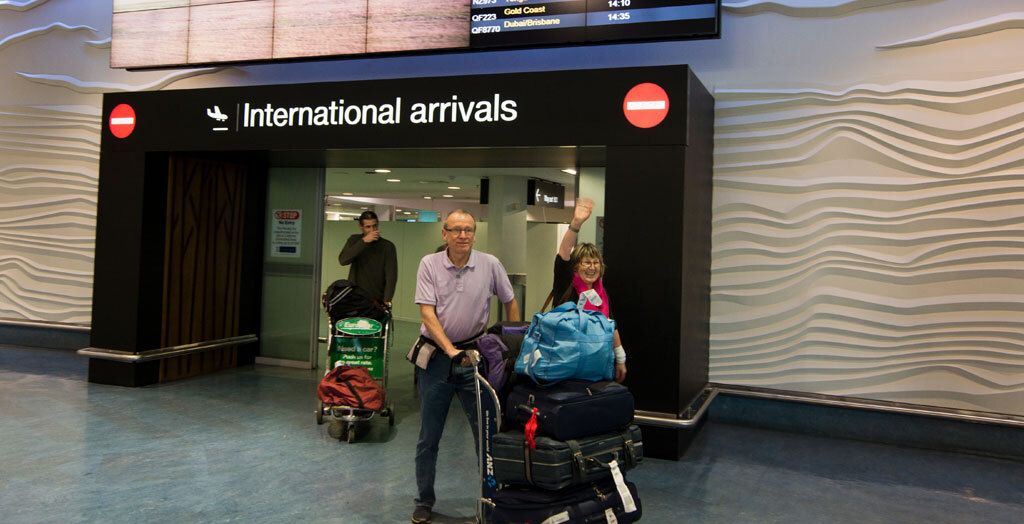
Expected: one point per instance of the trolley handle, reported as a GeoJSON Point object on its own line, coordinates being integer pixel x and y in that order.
{"type": "Point", "coordinates": [468, 356]}
{"type": "Point", "coordinates": [524, 408]}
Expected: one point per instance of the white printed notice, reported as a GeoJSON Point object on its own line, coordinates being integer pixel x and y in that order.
{"type": "Point", "coordinates": [285, 232]}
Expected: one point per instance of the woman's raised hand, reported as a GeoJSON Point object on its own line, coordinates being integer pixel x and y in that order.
{"type": "Point", "coordinates": [584, 206]}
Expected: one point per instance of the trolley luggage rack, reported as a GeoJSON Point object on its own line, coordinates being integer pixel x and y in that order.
{"type": "Point", "coordinates": [368, 347]}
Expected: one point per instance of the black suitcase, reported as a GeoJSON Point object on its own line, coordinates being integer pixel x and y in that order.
{"type": "Point", "coordinates": [581, 504]}
{"type": "Point", "coordinates": [571, 408]}
{"type": "Point", "coordinates": [555, 464]}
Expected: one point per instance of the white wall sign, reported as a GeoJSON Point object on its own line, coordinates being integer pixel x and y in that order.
{"type": "Point", "coordinates": [285, 233]}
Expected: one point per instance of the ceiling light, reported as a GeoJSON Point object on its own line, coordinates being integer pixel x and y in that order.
{"type": "Point", "coordinates": [448, 196]}
{"type": "Point", "coordinates": [382, 171]}
{"type": "Point", "coordinates": [347, 194]}
{"type": "Point", "coordinates": [394, 180]}
{"type": "Point", "coordinates": [406, 212]}
{"type": "Point", "coordinates": [398, 210]}
{"type": "Point", "coordinates": [454, 187]}
{"type": "Point", "coordinates": [569, 171]}
{"type": "Point", "coordinates": [428, 198]}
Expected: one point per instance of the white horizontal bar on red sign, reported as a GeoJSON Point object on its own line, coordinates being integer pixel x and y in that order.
{"type": "Point", "coordinates": [645, 104]}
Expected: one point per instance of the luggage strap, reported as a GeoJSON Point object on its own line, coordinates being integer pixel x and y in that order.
{"type": "Point", "coordinates": [527, 462]}
{"type": "Point", "coordinates": [355, 394]}
{"type": "Point", "coordinates": [337, 298]}
{"type": "Point", "coordinates": [414, 354]}
{"type": "Point", "coordinates": [579, 463]}
{"type": "Point", "coordinates": [462, 344]}
{"type": "Point", "coordinates": [629, 448]}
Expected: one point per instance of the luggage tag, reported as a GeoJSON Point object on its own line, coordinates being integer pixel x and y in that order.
{"type": "Point", "coordinates": [628, 505]}
{"type": "Point", "coordinates": [589, 296]}
{"type": "Point", "coordinates": [557, 518]}
{"type": "Point", "coordinates": [609, 515]}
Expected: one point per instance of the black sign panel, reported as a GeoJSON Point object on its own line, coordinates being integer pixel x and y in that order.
{"type": "Point", "coordinates": [545, 193]}
{"type": "Point", "coordinates": [586, 107]}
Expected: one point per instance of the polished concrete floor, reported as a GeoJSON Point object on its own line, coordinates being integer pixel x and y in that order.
{"type": "Point", "coordinates": [243, 445]}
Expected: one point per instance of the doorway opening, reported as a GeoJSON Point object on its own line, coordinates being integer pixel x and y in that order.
{"type": "Point", "coordinates": [412, 202]}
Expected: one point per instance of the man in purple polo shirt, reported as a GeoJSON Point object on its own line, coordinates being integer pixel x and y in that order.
{"type": "Point", "coordinates": [453, 289]}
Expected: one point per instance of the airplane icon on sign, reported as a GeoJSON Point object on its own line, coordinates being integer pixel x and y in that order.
{"type": "Point", "coordinates": [216, 114]}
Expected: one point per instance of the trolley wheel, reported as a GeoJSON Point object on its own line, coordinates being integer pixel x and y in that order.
{"type": "Point", "coordinates": [320, 412]}
{"type": "Point", "coordinates": [391, 415]}
{"type": "Point", "coordinates": [336, 429]}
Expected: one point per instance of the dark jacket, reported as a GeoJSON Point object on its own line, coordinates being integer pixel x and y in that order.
{"type": "Point", "coordinates": [374, 265]}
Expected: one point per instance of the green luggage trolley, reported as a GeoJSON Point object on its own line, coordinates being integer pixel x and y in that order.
{"type": "Point", "coordinates": [358, 342]}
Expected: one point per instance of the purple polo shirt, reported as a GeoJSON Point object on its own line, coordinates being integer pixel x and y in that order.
{"type": "Point", "coordinates": [461, 297]}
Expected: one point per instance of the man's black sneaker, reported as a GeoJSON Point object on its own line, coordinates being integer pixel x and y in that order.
{"type": "Point", "coordinates": [421, 515]}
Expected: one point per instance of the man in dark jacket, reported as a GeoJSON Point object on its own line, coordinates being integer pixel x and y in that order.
{"type": "Point", "coordinates": [374, 259]}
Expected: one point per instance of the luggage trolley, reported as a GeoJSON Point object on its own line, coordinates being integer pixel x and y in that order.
{"type": "Point", "coordinates": [488, 421]}
{"type": "Point", "coordinates": [357, 342]}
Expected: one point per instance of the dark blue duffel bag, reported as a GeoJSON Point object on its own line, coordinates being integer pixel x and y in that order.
{"type": "Point", "coordinates": [571, 408]}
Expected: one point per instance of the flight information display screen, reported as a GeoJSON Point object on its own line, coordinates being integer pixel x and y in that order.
{"type": "Point", "coordinates": [532, 22]}
{"type": "Point", "coordinates": [161, 33]}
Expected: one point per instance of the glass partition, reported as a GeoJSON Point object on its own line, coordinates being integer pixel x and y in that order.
{"type": "Point", "coordinates": [291, 265]}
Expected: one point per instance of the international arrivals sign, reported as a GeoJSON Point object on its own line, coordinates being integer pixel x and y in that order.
{"type": "Point", "coordinates": [587, 107]}
{"type": "Point", "coordinates": [337, 113]}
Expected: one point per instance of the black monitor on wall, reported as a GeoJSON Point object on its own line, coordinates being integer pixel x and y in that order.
{"type": "Point", "coordinates": [168, 33]}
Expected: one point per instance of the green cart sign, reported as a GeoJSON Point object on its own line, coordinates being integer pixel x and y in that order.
{"type": "Point", "coordinates": [357, 349]}
{"type": "Point", "coordinates": [358, 326]}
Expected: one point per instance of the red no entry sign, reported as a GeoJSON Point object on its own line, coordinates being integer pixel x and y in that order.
{"type": "Point", "coordinates": [646, 105]}
{"type": "Point", "coordinates": [122, 120]}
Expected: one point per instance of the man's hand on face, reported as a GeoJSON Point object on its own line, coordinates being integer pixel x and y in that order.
{"type": "Point", "coordinates": [584, 206]}
{"type": "Point", "coordinates": [372, 236]}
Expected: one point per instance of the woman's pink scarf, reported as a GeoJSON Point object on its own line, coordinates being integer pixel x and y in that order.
{"type": "Point", "coordinates": [580, 286]}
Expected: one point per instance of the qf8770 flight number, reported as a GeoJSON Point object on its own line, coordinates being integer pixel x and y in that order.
{"type": "Point", "coordinates": [485, 29]}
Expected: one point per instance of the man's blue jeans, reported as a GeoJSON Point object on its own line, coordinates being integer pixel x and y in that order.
{"type": "Point", "coordinates": [437, 385]}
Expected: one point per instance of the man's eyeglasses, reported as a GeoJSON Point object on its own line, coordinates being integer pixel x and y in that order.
{"type": "Point", "coordinates": [460, 230]}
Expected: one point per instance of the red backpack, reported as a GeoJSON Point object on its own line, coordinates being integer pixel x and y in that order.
{"type": "Point", "coordinates": [351, 386]}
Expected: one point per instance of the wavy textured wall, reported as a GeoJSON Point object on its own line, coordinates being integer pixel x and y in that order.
{"type": "Point", "coordinates": [54, 58]}
{"type": "Point", "coordinates": [868, 240]}
{"type": "Point", "coordinates": [47, 213]}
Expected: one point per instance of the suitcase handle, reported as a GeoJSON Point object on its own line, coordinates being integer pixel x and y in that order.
{"type": "Point", "coordinates": [580, 462]}
{"type": "Point", "coordinates": [605, 465]}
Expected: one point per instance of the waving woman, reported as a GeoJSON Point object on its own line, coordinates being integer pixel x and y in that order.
{"type": "Point", "coordinates": [578, 272]}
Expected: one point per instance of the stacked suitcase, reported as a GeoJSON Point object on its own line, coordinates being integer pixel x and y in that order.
{"type": "Point", "coordinates": [562, 454]}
